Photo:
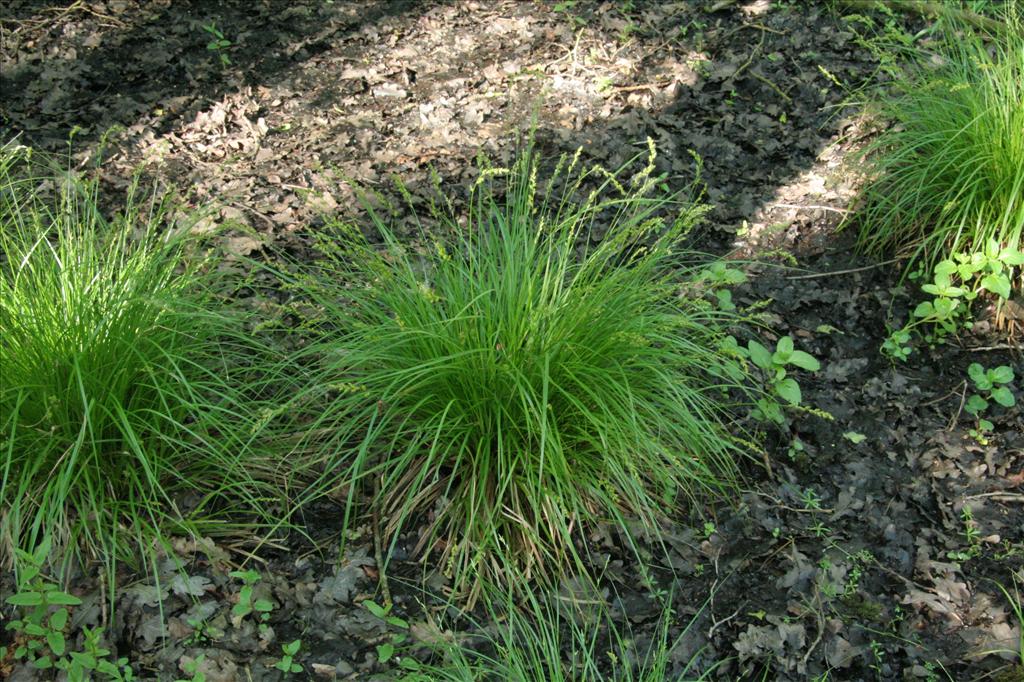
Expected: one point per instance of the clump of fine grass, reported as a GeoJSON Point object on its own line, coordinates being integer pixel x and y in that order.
{"type": "Point", "coordinates": [947, 174]}
{"type": "Point", "coordinates": [129, 400]}
{"type": "Point", "coordinates": [517, 382]}
{"type": "Point", "coordinates": [543, 639]}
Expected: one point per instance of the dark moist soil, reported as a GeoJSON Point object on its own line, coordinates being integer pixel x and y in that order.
{"type": "Point", "coordinates": [851, 556]}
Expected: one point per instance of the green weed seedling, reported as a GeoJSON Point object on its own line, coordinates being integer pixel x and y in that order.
{"type": "Point", "coordinates": [287, 663]}
{"type": "Point", "coordinates": [780, 385]}
{"type": "Point", "coordinates": [972, 536]}
{"type": "Point", "coordinates": [44, 613]}
{"type": "Point", "coordinates": [247, 604]}
{"type": "Point", "coordinates": [218, 44]}
{"type": "Point", "coordinates": [955, 284]}
{"type": "Point", "coordinates": [83, 665]}
{"type": "Point", "coordinates": [386, 651]}
{"type": "Point", "coordinates": [202, 632]}
{"type": "Point", "coordinates": [719, 275]}
{"type": "Point", "coordinates": [992, 385]}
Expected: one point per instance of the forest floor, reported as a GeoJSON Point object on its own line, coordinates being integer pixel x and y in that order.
{"type": "Point", "coordinates": [874, 546]}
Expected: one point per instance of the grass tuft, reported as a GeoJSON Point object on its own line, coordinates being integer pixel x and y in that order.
{"type": "Point", "coordinates": [545, 639]}
{"type": "Point", "coordinates": [947, 174]}
{"type": "Point", "coordinates": [130, 396]}
{"type": "Point", "coordinates": [519, 379]}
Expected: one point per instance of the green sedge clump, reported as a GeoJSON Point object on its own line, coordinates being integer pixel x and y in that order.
{"type": "Point", "coordinates": [519, 379]}
{"type": "Point", "coordinates": [131, 394]}
{"type": "Point", "coordinates": [947, 174]}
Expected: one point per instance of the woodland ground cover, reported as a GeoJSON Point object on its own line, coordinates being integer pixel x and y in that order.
{"type": "Point", "coordinates": [871, 527]}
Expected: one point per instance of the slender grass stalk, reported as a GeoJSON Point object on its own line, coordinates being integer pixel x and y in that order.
{"type": "Point", "coordinates": [133, 394]}
{"type": "Point", "coordinates": [521, 380]}
{"type": "Point", "coordinates": [947, 176]}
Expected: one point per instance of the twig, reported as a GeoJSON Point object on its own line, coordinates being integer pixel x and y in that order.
{"type": "Point", "coordinates": [959, 410]}
{"type": "Point", "coordinates": [757, 48]}
{"type": "Point", "coordinates": [1000, 495]}
{"type": "Point", "coordinates": [253, 211]}
{"type": "Point", "coordinates": [844, 272]}
{"type": "Point", "coordinates": [1001, 346]}
{"type": "Point", "coordinates": [771, 85]}
{"type": "Point", "coordinates": [941, 398]}
{"type": "Point", "coordinates": [821, 628]}
{"type": "Point", "coordinates": [714, 626]}
{"type": "Point", "coordinates": [645, 86]}
{"type": "Point", "coordinates": [812, 206]}
{"type": "Point", "coordinates": [805, 510]}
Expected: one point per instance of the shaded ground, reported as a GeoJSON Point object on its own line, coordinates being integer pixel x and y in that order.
{"type": "Point", "coordinates": [849, 557]}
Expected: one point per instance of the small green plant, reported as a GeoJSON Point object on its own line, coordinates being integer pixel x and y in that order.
{"type": "Point", "coordinates": [202, 632]}
{"type": "Point", "coordinates": [992, 385]}
{"type": "Point", "coordinates": [972, 536]}
{"type": "Point", "coordinates": [218, 44]}
{"type": "Point", "coordinates": [247, 602]}
{"type": "Point", "coordinates": [386, 650]}
{"type": "Point", "coordinates": [782, 389]}
{"type": "Point", "coordinates": [95, 659]}
{"type": "Point", "coordinates": [877, 655]}
{"type": "Point", "coordinates": [44, 612]}
{"type": "Point", "coordinates": [810, 499]}
{"type": "Point", "coordinates": [287, 662]}
{"type": "Point", "coordinates": [719, 275]}
{"type": "Point", "coordinates": [955, 284]}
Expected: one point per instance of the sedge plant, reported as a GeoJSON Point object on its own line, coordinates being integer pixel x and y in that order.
{"type": "Point", "coordinates": [548, 639]}
{"type": "Point", "coordinates": [132, 393]}
{"type": "Point", "coordinates": [947, 175]}
{"type": "Point", "coordinates": [519, 379]}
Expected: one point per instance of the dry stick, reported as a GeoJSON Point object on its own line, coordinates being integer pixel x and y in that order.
{"type": "Point", "coordinates": [812, 206]}
{"type": "Point", "coordinates": [771, 85]}
{"type": "Point", "coordinates": [820, 619]}
{"type": "Point", "coordinates": [844, 272]}
{"type": "Point", "coordinates": [963, 397]}
{"type": "Point", "coordinates": [1001, 496]}
{"type": "Point", "coordinates": [750, 59]}
{"type": "Point", "coordinates": [941, 398]}
{"type": "Point", "coordinates": [1001, 346]}
{"type": "Point", "coordinates": [253, 211]}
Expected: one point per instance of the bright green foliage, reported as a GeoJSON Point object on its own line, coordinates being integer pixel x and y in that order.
{"type": "Point", "coordinates": [956, 284]}
{"type": "Point", "coordinates": [194, 669]}
{"type": "Point", "coordinates": [287, 662]}
{"type": "Point", "coordinates": [82, 666]}
{"type": "Point", "coordinates": [44, 613]}
{"type": "Point", "coordinates": [44, 620]}
{"type": "Point", "coordinates": [992, 385]}
{"type": "Point", "coordinates": [523, 376]}
{"type": "Point", "coordinates": [126, 381]}
{"type": "Point", "coordinates": [386, 650]}
{"type": "Point", "coordinates": [948, 171]}
{"type": "Point", "coordinates": [218, 44]}
{"type": "Point", "coordinates": [779, 385]}
{"type": "Point", "coordinates": [247, 602]}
